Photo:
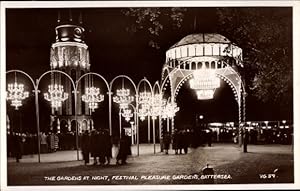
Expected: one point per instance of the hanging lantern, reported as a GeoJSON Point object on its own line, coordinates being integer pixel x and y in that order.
{"type": "Point", "coordinates": [56, 95]}
{"type": "Point", "coordinates": [123, 98]}
{"type": "Point", "coordinates": [15, 93]}
{"type": "Point", "coordinates": [205, 82]}
{"type": "Point", "coordinates": [92, 96]}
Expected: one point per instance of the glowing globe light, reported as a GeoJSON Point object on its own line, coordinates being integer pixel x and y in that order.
{"type": "Point", "coordinates": [15, 93]}
{"type": "Point", "coordinates": [56, 95]}
{"type": "Point", "coordinates": [92, 96]}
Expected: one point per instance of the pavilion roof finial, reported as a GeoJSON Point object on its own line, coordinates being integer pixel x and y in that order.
{"type": "Point", "coordinates": [80, 18]}
{"type": "Point", "coordinates": [70, 15]}
{"type": "Point", "coordinates": [58, 17]}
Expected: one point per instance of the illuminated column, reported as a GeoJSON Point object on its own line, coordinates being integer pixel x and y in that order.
{"type": "Point", "coordinates": [69, 125]}
{"type": "Point", "coordinates": [58, 126]}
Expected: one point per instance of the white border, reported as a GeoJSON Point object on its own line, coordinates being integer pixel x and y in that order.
{"type": "Point", "coordinates": [87, 4]}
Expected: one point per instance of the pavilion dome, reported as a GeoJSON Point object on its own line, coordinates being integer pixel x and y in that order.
{"type": "Point", "coordinates": [200, 38]}
{"type": "Point", "coordinates": [203, 47]}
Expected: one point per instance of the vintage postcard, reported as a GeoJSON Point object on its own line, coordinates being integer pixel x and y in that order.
{"type": "Point", "coordinates": [180, 95]}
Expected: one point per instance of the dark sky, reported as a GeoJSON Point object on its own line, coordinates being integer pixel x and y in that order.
{"type": "Point", "coordinates": [114, 51]}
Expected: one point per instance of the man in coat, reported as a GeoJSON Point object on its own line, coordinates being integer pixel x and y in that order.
{"type": "Point", "coordinates": [85, 147]}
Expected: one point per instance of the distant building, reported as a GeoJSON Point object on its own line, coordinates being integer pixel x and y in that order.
{"type": "Point", "coordinates": [70, 54]}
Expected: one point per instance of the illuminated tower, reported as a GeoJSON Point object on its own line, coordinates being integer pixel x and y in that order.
{"type": "Point", "coordinates": [70, 54]}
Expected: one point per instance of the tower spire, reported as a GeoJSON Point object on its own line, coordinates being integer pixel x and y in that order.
{"type": "Point", "coordinates": [58, 17]}
{"type": "Point", "coordinates": [70, 15]}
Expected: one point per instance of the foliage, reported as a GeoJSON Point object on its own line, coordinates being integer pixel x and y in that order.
{"type": "Point", "coordinates": [153, 20]}
{"type": "Point", "coordinates": [265, 35]}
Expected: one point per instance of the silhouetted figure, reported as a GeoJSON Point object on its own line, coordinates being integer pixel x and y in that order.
{"type": "Point", "coordinates": [246, 140]}
{"type": "Point", "coordinates": [124, 149]}
{"type": "Point", "coordinates": [93, 145]}
{"type": "Point", "coordinates": [101, 147]}
{"type": "Point", "coordinates": [43, 141]}
{"type": "Point", "coordinates": [107, 147]}
{"type": "Point", "coordinates": [175, 145]}
{"type": "Point", "coordinates": [185, 141]}
{"type": "Point", "coordinates": [209, 138]}
{"type": "Point", "coordinates": [85, 147]}
{"type": "Point", "coordinates": [180, 141]}
{"type": "Point", "coordinates": [167, 141]}
{"type": "Point", "coordinates": [17, 146]}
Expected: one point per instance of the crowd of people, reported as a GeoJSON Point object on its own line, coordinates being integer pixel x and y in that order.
{"type": "Point", "coordinates": [19, 144]}
{"type": "Point", "coordinates": [181, 140]}
{"type": "Point", "coordinates": [99, 145]}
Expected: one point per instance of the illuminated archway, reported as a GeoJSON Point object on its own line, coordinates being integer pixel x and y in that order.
{"type": "Point", "coordinates": [197, 55]}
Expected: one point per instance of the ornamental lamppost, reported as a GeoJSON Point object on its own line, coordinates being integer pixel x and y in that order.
{"type": "Point", "coordinates": [168, 111]}
{"type": "Point", "coordinates": [56, 96]}
{"type": "Point", "coordinates": [145, 103]}
{"type": "Point", "coordinates": [127, 114]}
{"type": "Point", "coordinates": [155, 112]}
{"type": "Point", "coordinates": [92, 94]}
{"type": "Point", "coordinates": [123, 98]}
{"type": "Point", "coordinates": [16, 94]}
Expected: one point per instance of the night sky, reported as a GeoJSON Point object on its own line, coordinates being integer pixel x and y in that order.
{"type": "Point", "coordinates": [114, 51]}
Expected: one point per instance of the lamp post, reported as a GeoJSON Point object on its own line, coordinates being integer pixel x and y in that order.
{"type": "Point", "coordinates": [96, 97]}
{"type": "Point", "coordinates": [121, 99]}
{"type": "Point", "coordinates": [145, 99]}
{"type": "Point", "coordinates": [36, 91]}
{"type": "Point", "coordinates": [132, 132]}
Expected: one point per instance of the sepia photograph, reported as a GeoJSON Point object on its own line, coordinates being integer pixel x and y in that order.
{"type": "Point", "coordinates": [142, 95]}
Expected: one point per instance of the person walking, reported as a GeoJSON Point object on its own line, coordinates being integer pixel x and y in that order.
{"type": "Point", "coordinates": [85, 147]}
{"type": "Point", "coordinates": [180, 141]}
{"type": "Point", "coordinates": [17, 146]}
{"type": "Point", "coordinates": [209, 137]}
{"type": "Point", "coordinates": [56, 142]}
{"type": "Point", "coordinates": [107, 147]}
{"type": "Point", "coordinates": [101, 147]}
{"type": "Point", "coordinates": [124, 150]}
{"type": "Point", "coordinates": [43, 141]}
{"type": "Point", "coordinates": [167, 142]}
{"type": "Point", "coordinates": [175, 145]}
{"type": "Point", "coordinates": [185, 141]}
{"type": "Point", "coordinates": [246, 140]}
{"type": "Point", "coordinates": [93, 145]}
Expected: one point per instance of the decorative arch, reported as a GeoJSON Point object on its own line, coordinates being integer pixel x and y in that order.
{"type": "Point", "coordinates": [205, 51]}
{"type": "Point", "coordinates": [64, 126]}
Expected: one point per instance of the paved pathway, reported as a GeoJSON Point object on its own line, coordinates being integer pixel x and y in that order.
{"type": "Point", "coordinates": [229, 163]}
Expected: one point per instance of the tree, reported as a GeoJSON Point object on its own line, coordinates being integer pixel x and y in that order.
{"type": "Point", "coordinates": [265, 36]}
{"type": "Point", "coordinates": [154, 20]}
